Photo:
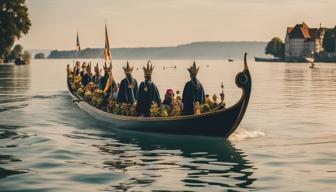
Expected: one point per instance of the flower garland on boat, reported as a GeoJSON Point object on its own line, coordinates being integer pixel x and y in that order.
{"type": "Point", "coordinates": [95, 96]}
{"type": "Point", "coordinates": [158, 111]}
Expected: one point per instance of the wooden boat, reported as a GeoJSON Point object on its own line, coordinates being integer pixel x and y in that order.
{"type": "Point", "coordinates": [219, 123]}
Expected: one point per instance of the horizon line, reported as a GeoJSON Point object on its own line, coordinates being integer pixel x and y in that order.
{"type": "Point", "coordinates": [174, 46]}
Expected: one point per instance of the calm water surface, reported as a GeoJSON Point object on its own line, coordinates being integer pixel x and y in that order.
{"type": "Point", "coordinates": [286, 141]}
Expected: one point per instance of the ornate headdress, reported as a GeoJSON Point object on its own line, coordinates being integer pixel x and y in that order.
{"type": "Point", "coordinates": [128, 69]}
{"type": "Point", "coordinates": [84, 65]}
{"type": "Point", "coordinates": [149, 69]}
{"type": "Point", "coordinates": [96, 68]}
{"type": "Point", "coordinates": [88, 66]}
{"type": "Point", "coordinates": [107, 68]}
{"type": "Point", "coordinates": [193, 70]}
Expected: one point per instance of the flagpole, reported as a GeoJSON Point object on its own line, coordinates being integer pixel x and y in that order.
{"type": "Point", "coordinates": [77, 45]}
{"type": "Point", "coordinates": [107, 57]}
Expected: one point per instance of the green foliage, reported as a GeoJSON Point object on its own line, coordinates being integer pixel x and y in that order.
{"type": "Point", "coordinates": [16, 52]}
{"type": "Point", "coordinates": [39, 56]}
{"type": "Point", "coordinates": [329, 40]}
{"type": "Point", "coordinates": [275, 47]}
{"type": "Point", "coordinates": [26, 57]}
{"type": "Point", "coordinates": [14, 22]}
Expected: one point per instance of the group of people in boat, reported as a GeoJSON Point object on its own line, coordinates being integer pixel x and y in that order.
{"type": "Point", "coordinates": [147, 93]}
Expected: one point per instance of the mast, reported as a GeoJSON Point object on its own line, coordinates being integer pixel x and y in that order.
{"type": "Point", "coordinates": [107, 53]}
{"type": "Point", "coordinates": [107, 58]}
{"type": "Point", "coordinates": [78, 48]}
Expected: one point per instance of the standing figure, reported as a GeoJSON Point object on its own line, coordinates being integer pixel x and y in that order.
{"type": "Point", "coordinates": [77, 69]}
{"type": "Point", "coordinates": [148, 92]}
{"type": "Point", "coordinates": [110, 83]}
{"type": "Point", "coordinates": [85, 75]}
{"type": "Point", "coordinates": [128, 89]}
{"type": "Point", "coordinates": [108, 86]}
{"type": "Point", "coordinates": [105, 78]}
{"type": "Point", "coordinates": [96, 79]}
{"type": "Point", "coordinates": [193, 92]}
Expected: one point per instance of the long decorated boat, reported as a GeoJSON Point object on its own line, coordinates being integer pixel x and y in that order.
{"type": "Point", "coordinates": [218, 123]}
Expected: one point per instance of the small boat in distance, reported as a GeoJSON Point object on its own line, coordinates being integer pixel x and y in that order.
{"type": "Point", "coordinates": [230, 60]}
{"type": "Point", "coordinates": [261, 59]}
{"type": "Point", "coordinates": [310, 61]}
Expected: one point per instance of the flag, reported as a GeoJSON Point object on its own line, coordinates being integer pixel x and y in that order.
{"type": "Point", "coordinates": [107, 57]}
{"type": "Point", "coordinates": [107, 53]}
{"type": "Point", "coordinates": [77, 43]}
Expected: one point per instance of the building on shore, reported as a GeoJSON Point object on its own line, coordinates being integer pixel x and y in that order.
{"type": "Point", "coordinates": [302, 41]}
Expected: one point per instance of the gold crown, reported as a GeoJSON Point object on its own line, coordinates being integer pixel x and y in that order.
{"type": "Point", "coordinates": [96, 68]}
{"type": "Point", "coordinates": [193, 70]}
{"type": "Point", "coordinates": [128, 69]}
{"type": "Point", "coordinates": [107, 69]}
{"type": "Point", "coordinates": [149, 69]}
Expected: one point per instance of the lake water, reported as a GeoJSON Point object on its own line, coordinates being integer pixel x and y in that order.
{"type": "Point", "coordinates": [286, 141]}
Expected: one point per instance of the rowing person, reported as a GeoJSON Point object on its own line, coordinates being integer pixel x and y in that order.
{"type": "Point", "coordinates": [148, 92]}
{"type": "Point", "coordinates": [193, 92]}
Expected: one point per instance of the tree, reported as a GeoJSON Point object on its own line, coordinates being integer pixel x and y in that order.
{"type": "Point", "coordinates": [16, 52]}
{"type": "Point", "coordinates": [329, 40]}
{"type": "Point", "coordinates": [14, 22]}
{"type": "Point", "coordinates": [275, 47]}
{"type": "Point", "coordinates": [39, 56]}
{"type": "Point", "coordinates": [26, 57]}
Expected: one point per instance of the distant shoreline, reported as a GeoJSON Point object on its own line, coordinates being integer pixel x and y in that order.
{"type": "Point", "coordinates": [197, 50]}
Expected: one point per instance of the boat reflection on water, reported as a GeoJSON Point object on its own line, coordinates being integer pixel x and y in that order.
{"type": "Point", "coordinates": [179, 162]}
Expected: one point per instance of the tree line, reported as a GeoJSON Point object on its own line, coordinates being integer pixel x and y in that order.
{"type": "Point", "coordinates": [14, 22]}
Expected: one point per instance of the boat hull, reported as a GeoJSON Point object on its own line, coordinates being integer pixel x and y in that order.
{"type": "Point", "coordinates": [207, 125]}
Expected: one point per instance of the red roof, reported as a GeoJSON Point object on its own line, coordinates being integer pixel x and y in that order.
{"type": "Point", "coordinates": [302, 31]}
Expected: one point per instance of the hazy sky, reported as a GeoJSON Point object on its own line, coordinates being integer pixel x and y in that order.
{"type": "Point", "coordinates": [134, 23]}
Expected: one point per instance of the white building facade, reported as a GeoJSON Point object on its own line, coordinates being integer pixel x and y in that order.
{"type": "Point", "coordinates": [302, 41]}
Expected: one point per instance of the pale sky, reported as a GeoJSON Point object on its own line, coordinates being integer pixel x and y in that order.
{"type": "Point", "coordinates": [143, 23]}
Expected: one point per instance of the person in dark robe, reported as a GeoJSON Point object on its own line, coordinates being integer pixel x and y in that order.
{"type": "Point", "coordinates": [148, 93]}
{"type": "Point", "coordinates": [128, 89]}
{"type": "Point", "coordinates": [77, 69]}
{"type": "Point", "coordinates": [109, 86]}
{"type": "Point", "coordinates": [104, 78]}
{"type": "Point", "coordinates": [193, 92]}
{"type": "Point", "coordinates": [85, 75]}
{"type": "Point", "coordinates": [96, 79]}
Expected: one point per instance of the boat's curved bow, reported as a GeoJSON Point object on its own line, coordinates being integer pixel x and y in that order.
{"type": "Point", "coordinates": [220, 123]}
